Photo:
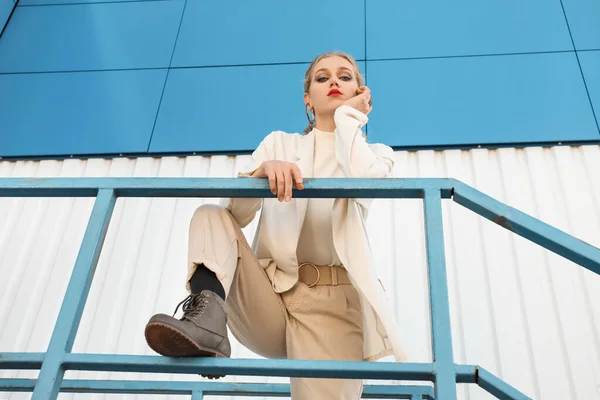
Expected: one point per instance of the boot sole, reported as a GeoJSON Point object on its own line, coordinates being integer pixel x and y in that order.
{"type": "Point", "coordinates": [170, 342]}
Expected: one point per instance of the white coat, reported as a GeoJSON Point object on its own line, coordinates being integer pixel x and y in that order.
{"type": "Point", "coordinates": [277, 235]}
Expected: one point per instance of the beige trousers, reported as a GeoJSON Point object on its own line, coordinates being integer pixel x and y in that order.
{"type": "Point", "coordinates": [318, 323]}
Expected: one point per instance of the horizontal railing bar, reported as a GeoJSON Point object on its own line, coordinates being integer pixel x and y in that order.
{"type": "Point", "coordinates": [254, 367]}
{"type": "Point", "coordinates": [208, 388]}
{"type": "Point", "coordinates": [21, 360]}
{"type": "Point", "coordinates": [464, 373]}
{"type": "Point", "coordinates": [221, 187]}
{"type": "Point", "coordinates": [497, 387]}
{"type": "Point", "coordinates": [529, 227]}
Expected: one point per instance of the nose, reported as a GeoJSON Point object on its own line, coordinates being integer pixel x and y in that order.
{"type": "Point", "coordinates": [334, 81]}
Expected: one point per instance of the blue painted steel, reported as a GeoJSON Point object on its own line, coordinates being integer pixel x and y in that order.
{"type": "Point", "coordinates": [100, 36]}
{"type": "Point", "coordinates": [21, 360]}
{"type": "Point", "coordinates": [207, 388]}
{"type": "Point", "coordinates": [78, 113]}
{"type": "Point", "coordinates": [466, 374]}
{"type": "Point", "coordinates": [476, 100]}
{"type": "Point", "coordinates": [197, 395]}
{"type": "Point", "coordinates": [221, 187]}
{"type": "Point", "coordinates": [530, 228]}
{"type": "Point", "coordinates": [470, 27]}
{"type": "Point", "coordinates": [498, 387]}
{"type": "Point", "coordinates": [488, 381]}
{"type": "Point", "coordinates": [232, 32]}
{"type": "Point", "coordinates": [583, 17]}
{"type": "Point", "coordinates": [258, 367]}
{"type": "Point", "coordinates": [61, 342]}
{"type": "Point", "coordinates": [590, 67]}
{"type": "Point", "coordinates": [445, 375]}
{"type": "Point", "coordinates": [443, 372]}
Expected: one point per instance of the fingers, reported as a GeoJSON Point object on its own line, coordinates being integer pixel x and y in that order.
{"type": "Point", "coordinates": [297, 177]}
{"type": "Point", "coordinates": [367, 102]}
{"type": "Point", "coordinates": [283, 176]}
{"type": "Point", "coordinates": [364, 92]}
{"type": "Point", "coordinates": [362, 100]}
{"type": "Point", "coordinates": [280, 184]}
{"type": "Point", "coordinates": [272, 181]}
{"type": "Point", "coordinates": [367, 93]}
{"type": "Point", "coordinates": [288, 184]}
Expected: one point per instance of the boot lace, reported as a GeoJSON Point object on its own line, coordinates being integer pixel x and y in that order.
{"type": "Point", "coordinates": [193, 305]}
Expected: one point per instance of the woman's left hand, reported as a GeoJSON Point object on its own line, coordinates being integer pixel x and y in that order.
{"type": "Point", "coordinates": [362, 100]}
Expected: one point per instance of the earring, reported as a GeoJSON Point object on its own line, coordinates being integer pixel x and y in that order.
{"type": "Point", "coordinates": [310, 121]}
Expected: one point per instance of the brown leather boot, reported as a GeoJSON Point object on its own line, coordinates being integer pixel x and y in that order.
{"type": "Point", "coordinates": [201, 332]}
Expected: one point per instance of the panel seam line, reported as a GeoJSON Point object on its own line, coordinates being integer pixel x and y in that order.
{"type": "Point", "coordinates": [166, 77]}
{"type": "Point", "coordinates": [580, 69]}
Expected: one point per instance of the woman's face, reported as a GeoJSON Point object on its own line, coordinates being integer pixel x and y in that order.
{"type": "Point", "coordinates": [332, 82]}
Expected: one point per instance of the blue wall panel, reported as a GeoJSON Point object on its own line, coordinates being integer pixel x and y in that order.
{"type": "Point", "coordinates": [237, 72]}
{"type": "Point", "coordinates": [584, 21]}
{"type": "Point", "coordinates": [398, 29]}
{"type": "Point", "coordinates": [78, 113]}
{"type": "Point", "coordinates": [232, 32]}
{"type": "Point", "coordinates": [6, 7]}
{"type": "Point", "coordinates": [470, 100]}
{"type": "Point", "coordinates": [231, 108]}
{"type": "Point", "coordinates": [47, 2]}
{"type": "Point", "coordinates": [590, 65]}
{"type": "Point", "coordinates": [91, 36]}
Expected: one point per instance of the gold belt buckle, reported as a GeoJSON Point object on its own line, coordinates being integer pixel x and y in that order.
{"type": "Point", "coordinates": [316, 269]}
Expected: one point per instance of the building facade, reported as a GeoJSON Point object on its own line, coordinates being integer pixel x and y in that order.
{"type": "Point", "coordinates": [504, 97]}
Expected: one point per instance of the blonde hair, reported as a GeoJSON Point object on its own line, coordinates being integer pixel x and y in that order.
{"type": "Point", "coordinates": [309, 72]}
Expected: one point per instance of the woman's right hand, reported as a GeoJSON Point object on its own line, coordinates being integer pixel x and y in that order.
{"type": "Point", "coordinates": [282, 176]}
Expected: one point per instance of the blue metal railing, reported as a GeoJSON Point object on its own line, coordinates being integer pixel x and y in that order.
{"type": "Point", "coordinates": [443, 372]}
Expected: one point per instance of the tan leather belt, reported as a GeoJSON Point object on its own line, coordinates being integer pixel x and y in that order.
{"type": "Point", "coordinates": [323, 275]}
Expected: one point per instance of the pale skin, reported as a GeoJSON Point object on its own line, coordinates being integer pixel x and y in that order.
{"type": "Point", "coordinates": [328, 73]}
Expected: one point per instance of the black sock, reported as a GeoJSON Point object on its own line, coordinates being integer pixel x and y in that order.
{"type": "Point", "coordinates": [205, 279]}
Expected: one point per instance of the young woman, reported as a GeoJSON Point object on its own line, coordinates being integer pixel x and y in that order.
{"type": "Point", "coordinates": [307, 288]}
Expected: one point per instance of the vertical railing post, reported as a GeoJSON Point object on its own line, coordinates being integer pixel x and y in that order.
{"type": "Point", "coordinates": [197, 395]}
{"type": "Point", "coordinates": [65, 329]}
{"type": "Point", "coordinates": [443, 359]}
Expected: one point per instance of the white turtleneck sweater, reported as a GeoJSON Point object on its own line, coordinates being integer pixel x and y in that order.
{"type": "Point", "coordinates": [316, 238]}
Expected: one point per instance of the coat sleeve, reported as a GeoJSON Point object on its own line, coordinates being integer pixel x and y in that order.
{"type": "Point", "coordinates": [356, 158]}
{"type": "Point", "coordinates": [244, 209]}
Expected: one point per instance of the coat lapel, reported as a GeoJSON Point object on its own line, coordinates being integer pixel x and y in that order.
{"type": "Point", "coordinates": [305, 152]}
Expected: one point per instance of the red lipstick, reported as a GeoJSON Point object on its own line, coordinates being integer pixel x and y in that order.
{"type": "Point", "coordinates": [334, 92]}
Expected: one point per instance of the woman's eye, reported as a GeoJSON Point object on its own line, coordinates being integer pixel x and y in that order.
{"type": "Point", "coordinates": [321, 79]}
{"type": "Point", "coordinates": [346, 78]}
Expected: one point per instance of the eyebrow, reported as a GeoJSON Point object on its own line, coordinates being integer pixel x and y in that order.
{"type": "Point", "coordinates": [325, 69]}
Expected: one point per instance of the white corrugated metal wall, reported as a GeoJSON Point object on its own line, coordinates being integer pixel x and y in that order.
{"type": "Point", "coordinates": [525, 314]}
